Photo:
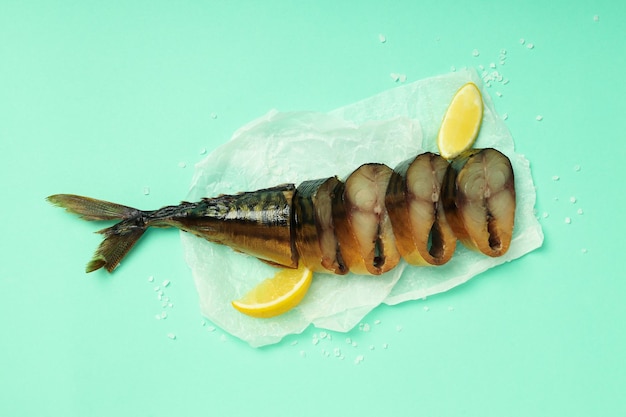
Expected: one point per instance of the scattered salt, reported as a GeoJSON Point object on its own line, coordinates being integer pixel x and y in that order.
{"type": "Point", "coordinates": [395, 77]}
{"type": "Point", "coordinates": [359, 359]}
{"type": "Point", "coordinates": [530, 46]}
{"type": "Point", "coordinates": [382, 38]}
{"type": "Point", "coordinates": [522, 41]}
{"type": "Point", "coordinates": [539, 118]}
{"type": "Point", "coordinates": [366, 327]}
{"type": "Point", "coordinates": [213, 116]}
{"type": "Point", "coordinates": [579, 211]}
{"type": "Point", "coordinates": [163, 315]}
{"type": "Point", "coordinates": [596, 18]}
{"type": "Point", "coordinates": [505, 116]}
{"type": "Point", "coordinates": [146, 190]}
{"type": "Point", "coordinates": [555, 178]}
{"type": "Point", "coordinates": [545, 215]}
{"type": "Point", "coordinates": [211, 328]}
{"type": "Point", "coordinates": [202, 151]}
{"type": "Point", "coordinates": [182, 164]}
{"type": "Point", "coordinates": [385, 345]}
{"type": "Point", "coordinates": [426, 308]}
{"type": "Point", "coordinates": [171, 336]}
{"type": "Point", "coordinates": [572, 199]}
{"type": "Point", "coordinates": [475, 52]}
{"type": "Point", "coordinates": [568, 220]}
{"type": "Point", "coordinates": [166, 283]}
{"type": "Point", "coordinates": [150, 278]}
{"type": "Point", "coordinates": [576, 168]}
{"type": "Point", "coordinates": [584, 250]}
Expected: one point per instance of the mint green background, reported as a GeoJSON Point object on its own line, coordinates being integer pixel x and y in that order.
{"type": "Point", "coordinates": [106, 98]}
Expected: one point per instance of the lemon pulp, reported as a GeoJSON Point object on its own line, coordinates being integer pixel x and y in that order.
{"type": "Point", "coordinates": [276, 295]}
{"type": "Point", "coordinates": [461, 123]}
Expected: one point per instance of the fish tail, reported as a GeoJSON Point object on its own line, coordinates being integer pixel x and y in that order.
{"type": "Point", "coordinates": [118, 239]}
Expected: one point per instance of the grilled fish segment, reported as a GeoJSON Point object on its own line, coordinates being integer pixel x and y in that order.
{"type": "Point", "coordinates": [413, 200]}
{"type": "Point", "coordinates": [479, 200]}
{"type": "Point", "coordinates": [314, 227]}
{"type": "Point", "coordinates": [362, 225]}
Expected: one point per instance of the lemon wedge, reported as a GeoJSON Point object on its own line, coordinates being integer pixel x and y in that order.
{"type": "Point", "coordinates": [277, 295]}
{"type": "Point", "coordinates": [461, 122]}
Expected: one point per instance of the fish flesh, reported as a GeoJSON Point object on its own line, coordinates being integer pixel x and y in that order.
{"type": "Point", "coordinates": [365, 224]}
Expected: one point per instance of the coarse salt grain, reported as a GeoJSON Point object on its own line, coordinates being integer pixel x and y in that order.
{"type": "Point", "coordinates": [475, 52]}
{"type": "Point", "coordinates": [171, 336]}
{"type": "Point", "coordinates": [382, 38]}
{"type": "Point", "coordinates": [568, 220]}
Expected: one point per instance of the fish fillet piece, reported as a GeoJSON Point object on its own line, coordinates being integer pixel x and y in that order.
{"type": "Point", "coordinates": [413, 200]}
{"type": "Point", "coordinates": [479, 200]}
{"type": "Point", "coordinates": [314, 227]}
{"type": "Point", "coordinates": [362, 225]}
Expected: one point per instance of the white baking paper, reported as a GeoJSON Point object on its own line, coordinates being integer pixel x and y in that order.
{"type": "Point", "coordinates": [296, 146]}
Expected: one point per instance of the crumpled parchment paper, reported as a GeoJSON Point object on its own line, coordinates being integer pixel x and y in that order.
{"type": "Point", "coordinates": [296, 146]}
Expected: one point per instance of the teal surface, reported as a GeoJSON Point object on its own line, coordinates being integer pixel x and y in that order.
{"type": "Point", "coordinates": [117, 100]}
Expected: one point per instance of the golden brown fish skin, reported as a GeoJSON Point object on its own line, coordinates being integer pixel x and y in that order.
{"type": "Point", "coordinates": [413, 200]}
{"type": "Point", "coordinates": [257, 223]}
{"type": "Point", "coordinates": [315, 237]}
{"type": "Point", "coordinates": [479, 200]}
